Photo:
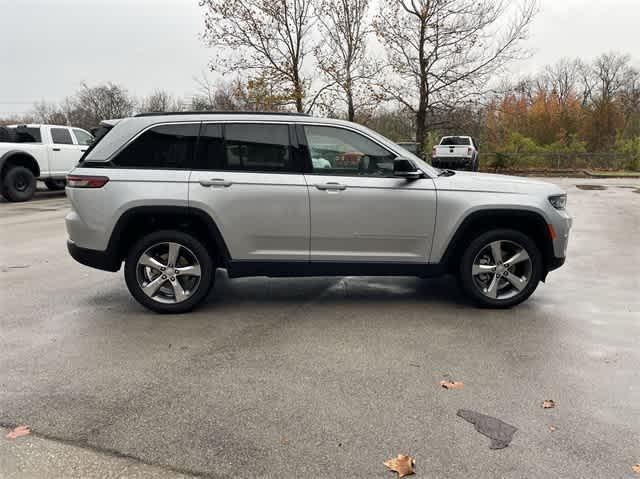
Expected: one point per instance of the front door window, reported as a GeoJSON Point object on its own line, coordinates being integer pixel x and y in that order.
{"type": "Point", "coordinates": [337, 151]}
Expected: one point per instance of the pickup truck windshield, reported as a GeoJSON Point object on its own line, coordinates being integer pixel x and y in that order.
{"type": "Point", "coordinates": [455, 140]}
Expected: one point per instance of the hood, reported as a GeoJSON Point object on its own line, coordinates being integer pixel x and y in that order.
{"type": "Point", "coordinates": [470, 181]}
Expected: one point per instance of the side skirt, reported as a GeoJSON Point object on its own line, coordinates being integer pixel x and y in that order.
{"type": "Point", "coordinates": [278, 269]}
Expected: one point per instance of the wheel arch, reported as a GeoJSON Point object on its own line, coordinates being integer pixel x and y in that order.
{"type": "Point", "coordinates": [529, 222]}
{"type": "Point", "coordinates": [143, 220]}
{"type": "Point", "coordinates": [18, 158]}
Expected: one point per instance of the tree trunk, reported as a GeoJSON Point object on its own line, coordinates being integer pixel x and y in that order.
{"type": "Point", "coordinates": [299, 107]}
{"type": "Point", "coordinates": [351, 113]}
{"type": "Point", "coordinates": [421, 130]}
{"type": "Point", "coordinates": [297, 88]}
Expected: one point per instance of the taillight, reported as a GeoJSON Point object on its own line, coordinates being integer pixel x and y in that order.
{"type": "Point", "coordinates": [82, 181]}
{"type": "Point", "coordinates": [468, 151]}
{"type": "Point", "coordinates": [433, 151]}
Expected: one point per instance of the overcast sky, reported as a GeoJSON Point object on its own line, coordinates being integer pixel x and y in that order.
{"type": "Point", "coordinates": [48, 47]}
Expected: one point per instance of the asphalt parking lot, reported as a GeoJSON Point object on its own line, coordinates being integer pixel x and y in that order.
{"type": "Point", "coordinates": [321, 377]}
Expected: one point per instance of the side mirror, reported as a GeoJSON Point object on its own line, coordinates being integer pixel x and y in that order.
{"type": "Point", "coordinates": [406, 168]}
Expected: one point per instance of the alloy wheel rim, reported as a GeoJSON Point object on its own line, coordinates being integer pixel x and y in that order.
{"type": "Point", "coordinates": [168, 272]}
{"type": "Point", "coordinates": [502, 269]}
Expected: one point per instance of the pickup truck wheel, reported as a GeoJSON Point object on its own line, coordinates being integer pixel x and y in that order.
{"type": "Point", "coordinates": [500, 268]}
{"type": "Point", "coordinates": [55, 185]}
{"type": "Point", "coordinates": [18, 184]}
{"type": "Point", "coordinates": [169, 272]}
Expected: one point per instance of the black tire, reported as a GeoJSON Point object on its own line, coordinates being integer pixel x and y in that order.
{"type": "Point", "coordinates": [476, 164]}
{"type": "Point", "coordinates": [466, 279]}
{"type": "Point", "coordinates": [18, 184]}
{"type": "Point", "coordinates": [194, 246]}
{"type": "Point", "coordinates": [55, 185]}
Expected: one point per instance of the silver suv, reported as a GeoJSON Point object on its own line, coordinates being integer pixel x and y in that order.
{"type": "Point", "coordinates": [176, 196]}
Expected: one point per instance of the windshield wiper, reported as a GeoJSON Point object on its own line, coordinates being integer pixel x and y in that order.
{"type": "Point", "coordinates": [446, 173]}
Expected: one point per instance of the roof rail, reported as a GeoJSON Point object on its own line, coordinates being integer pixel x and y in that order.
{"type": "Point", "coordinates": [221, 112]}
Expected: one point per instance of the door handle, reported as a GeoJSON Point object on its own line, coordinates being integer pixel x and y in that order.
{"type": "Point", "coordinates": [82, 151]}
{"type": "Point", "coordinates": [56, 149]}
{"type": "Point", "coordinates": [332, 186]}
{"type": "Point", "coordinates": [215, 182]}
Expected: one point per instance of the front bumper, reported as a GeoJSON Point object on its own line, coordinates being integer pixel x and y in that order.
{"type": "Point", "coordinates": [103, 260]}
{"type": "Point", "coordinates": [562, 224]}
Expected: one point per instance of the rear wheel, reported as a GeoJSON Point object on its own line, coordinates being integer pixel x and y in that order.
{"type": "Point", "coordinates": [500, 268]}
{"type": "Point", "coordinates": [18, 184]}
{"type": "Point", "coordinates": [169, 272]}
{"type": "Point", "coordinates": [55, 185]}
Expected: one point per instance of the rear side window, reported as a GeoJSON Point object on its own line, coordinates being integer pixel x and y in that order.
{"type": "Point", "coordinates": [161, 147]}
{"type": "Point", "coordinates": [61, 136]}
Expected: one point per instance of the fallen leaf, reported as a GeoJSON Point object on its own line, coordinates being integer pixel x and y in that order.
{"type": "Point", "coordinates": [548, 404]}
{"type": "Point", "coordinates": [553, 428]}
{"type": "Point", "coordinates": [403, 465]}
{"type": "Point", "coordinates": [636, 468]}
{"type": "Point", "coordinates": [18, 431]}
{"type": "Point", "coordinates": [451, 384]}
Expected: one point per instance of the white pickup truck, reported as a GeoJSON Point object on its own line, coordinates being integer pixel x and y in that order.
{"type": "Point", "coordinates": [456, 153]}
{"type": "Point", "coordinates": [31, 152]}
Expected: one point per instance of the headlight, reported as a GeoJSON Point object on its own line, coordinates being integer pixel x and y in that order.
{"type": "Point", "coordinates": [559, 202]}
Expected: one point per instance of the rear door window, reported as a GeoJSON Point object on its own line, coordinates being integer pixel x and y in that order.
{"type": "Point", "coordinates": [61, 136]}
{"type": "Point", "coordinates": [245, 147]}
{"type": "Point", "coordinates": [254, 147]}
{"type": "Point", "coordinates": [161, 147]}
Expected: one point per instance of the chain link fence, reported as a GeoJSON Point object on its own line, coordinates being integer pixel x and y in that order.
{"type": "Point", "coordinates": [562, 160]}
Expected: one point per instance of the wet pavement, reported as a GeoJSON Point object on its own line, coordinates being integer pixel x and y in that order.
{"type": "Point", "coordinates": [323, 377]}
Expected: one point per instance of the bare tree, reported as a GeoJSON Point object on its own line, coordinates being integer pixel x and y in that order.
{"type": "Point", "coordinates": [104, 102]}
{"type": "Point", "coordinates": [160, 101]}
{"type": "Point", "coordinates": [605, 81]}
{"type": "Point", "coordinates": [609, 72]}
{"type": "Point", "coordinates": [563, 78]}
{"type": "Point", "coordinates": [342, 54]}
{"type": "Point", "coordinates": [268, 39]}
{"type": "Point", "coordinates": [49, 113]}
{"type": "Point", "coordinates": [443, 52]}
{"type": "Point", "coordinates": [630, 102]}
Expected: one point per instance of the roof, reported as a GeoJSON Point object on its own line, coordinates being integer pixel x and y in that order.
{"type": "Point", "coordinates": [128, 128]}
{"type": "Point", "coordinates": [220, 112]}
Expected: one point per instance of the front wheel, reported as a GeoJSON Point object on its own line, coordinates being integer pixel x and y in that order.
{"type": "Point", "coordinates": [18, 184]}
{"type": "Point", "coordinates": [500, 268]}
{"type": "Point", "coordinates": [169, 272]}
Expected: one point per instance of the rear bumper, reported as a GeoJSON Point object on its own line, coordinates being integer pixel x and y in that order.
{"type": "Point", "coordinates": [103, 260]}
